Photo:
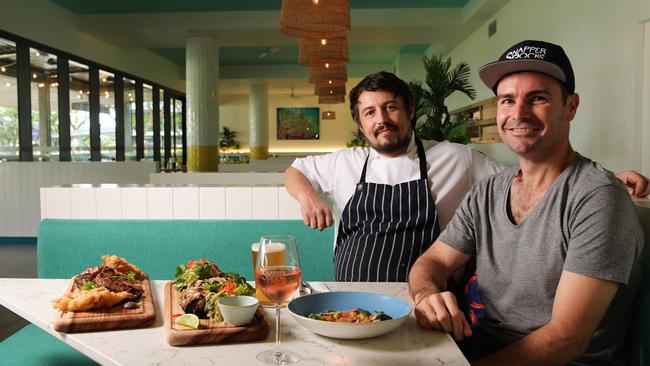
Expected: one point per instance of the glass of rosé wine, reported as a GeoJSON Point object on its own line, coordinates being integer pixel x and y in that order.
{"type": "Point", "coordinates": [279, 282]}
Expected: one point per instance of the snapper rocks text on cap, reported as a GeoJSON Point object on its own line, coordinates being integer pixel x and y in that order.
{"type": "Point", "coordinates": [538, 56]}
{"type": "Point", "coordinates": [527, 52]}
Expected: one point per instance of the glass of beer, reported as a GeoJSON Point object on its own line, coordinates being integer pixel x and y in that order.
{"type": "Point", "coordinates": [275, 257]}
{"type": "Point", "coordinates": [278, 280]}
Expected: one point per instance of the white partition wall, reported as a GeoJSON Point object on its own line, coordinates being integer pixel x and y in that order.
{"type": "Point", "coordinates": [108, 202]}
{"type": "Point", "coordinates": [212, 203]}
{"type": "Point", "coordinates": [166, 202]}
{"type": "Point", "coordinates": [186, 202]}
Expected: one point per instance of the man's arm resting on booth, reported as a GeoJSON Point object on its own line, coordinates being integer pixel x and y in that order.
{"type": "Point", "coordinates": [579, 306]}
{"type": "Point", "coordinates": [436, 308]}
{"type": "Point", "coordinates": [314, 211]}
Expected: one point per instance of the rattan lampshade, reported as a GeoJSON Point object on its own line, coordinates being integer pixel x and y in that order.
{"type": "Point", "coordinates": [315, 18]}
{"type": "Point", "coordinates": [331, 99]}
{"type": "Point", "coordinates": [321, 51]}
{"type": "Point", "coordinates": [329, 82]}
{"type": "Point", "coordinates": [335, 72]}
{"type": "Point", "coordinates": [329, 90]}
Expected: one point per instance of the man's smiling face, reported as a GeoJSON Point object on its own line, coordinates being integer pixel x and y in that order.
{"type": "Point", "coordinates": [532, 115]}
{"type": "Point", "coordinates": [385, 122]}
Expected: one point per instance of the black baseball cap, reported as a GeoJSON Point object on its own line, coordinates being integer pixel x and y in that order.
{"type": "Point", "coordinates": [539, 56]}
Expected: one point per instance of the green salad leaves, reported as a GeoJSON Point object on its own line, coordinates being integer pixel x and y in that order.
{"type": "Point", "coordinates": [201, 269]}
{"type": "Point", "coordinates": [212, 284]}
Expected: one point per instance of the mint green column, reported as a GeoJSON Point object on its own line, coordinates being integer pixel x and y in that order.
{"type": "Point", "coordinates": [258, 112]}
{"type": "Point", "coordinates": [202, 78]}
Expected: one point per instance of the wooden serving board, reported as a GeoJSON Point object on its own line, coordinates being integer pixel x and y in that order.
{"type": "Point", "coordinates": [210, 331]}
{"type": "Point", "coordinates": [116, 317]}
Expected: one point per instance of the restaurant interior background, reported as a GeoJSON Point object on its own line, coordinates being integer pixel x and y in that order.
{"type": "Point", "coordinates": [144, 42]}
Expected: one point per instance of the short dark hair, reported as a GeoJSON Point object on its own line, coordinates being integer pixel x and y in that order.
{"type": "Point", "coordinates": [382, 81]}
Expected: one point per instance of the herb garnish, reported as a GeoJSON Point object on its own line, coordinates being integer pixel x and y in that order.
{"type": "Point", "coordinates": [88, 285]}
{"type": "Point", "coordinates": [129, 276]}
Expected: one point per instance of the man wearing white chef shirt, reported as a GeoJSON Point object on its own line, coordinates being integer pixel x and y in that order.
{"type": "Point", "coordinates": [393, 198]}
{"type": "Point", "coordinates": [557, 241]}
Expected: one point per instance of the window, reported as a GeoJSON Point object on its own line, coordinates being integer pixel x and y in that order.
{"type": "Point", "coordinates": [44, 100]}
{"type": "Point", "coordinates": [107, 115]}
{"type": "Point", "coordinates": [79, 111]}
{"type": "Point", "coordinates": [177, 130]}
{"type": "Point", "coordinates": [8, 102]}
{"type": "Point", "coordinates": [129, 120]}
{"type": "Point", "coordinates": [148, 121]}
{"type": "Point", "coordinates": [161, 99]}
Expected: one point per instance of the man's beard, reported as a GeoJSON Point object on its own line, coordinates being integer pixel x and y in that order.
{"type": "Point", "coordinates": [401, 143]}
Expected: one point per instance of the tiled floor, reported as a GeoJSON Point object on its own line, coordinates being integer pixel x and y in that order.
{"type": "Point", "coordinates": [16, 261]}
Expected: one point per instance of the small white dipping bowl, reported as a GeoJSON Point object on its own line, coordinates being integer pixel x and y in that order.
{"type": "Point", "coordinates": [238, 310]}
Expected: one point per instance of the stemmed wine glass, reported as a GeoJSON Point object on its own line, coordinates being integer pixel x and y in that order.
{"type": "Point", "coordinates": [278, 281]}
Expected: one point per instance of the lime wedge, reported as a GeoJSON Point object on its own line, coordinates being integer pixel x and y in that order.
{"type": "Point", "coordinates": [188, 320]}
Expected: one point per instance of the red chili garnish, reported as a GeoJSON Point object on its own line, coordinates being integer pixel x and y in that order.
{"type": "Point", "coordinates": [190, 264]}
{"type": "Point", "coordinates": [176, 315]}
{"type": "Point", "coordinates": [229, 287]}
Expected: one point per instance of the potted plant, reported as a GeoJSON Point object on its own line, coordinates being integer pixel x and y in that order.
{"type": "Point", "coordinates": [358, 140]}
{"type": "Point", "coordinates": [433, 121]}
{"type": "Point", "coordinates": [227, 140]}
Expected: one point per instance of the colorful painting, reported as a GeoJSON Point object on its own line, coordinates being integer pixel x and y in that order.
{"type": "Point", "coordinates": [298, 123]}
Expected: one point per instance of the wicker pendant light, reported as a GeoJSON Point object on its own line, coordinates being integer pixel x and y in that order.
{"type": "Point", "coordinates": [329, 82]}
{"type": "Point", "coordinates": [315, 18]}
{"type": "Point", "coordinates": [321, 51]}
{"type": "Point", "coordinates": [318, 74]}
{"type": "Point", "coordinates": [331, 99]}
{"type": "Point", "coordinates": [329, 90]}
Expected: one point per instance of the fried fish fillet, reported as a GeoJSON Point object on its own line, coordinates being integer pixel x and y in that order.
{"type": "Point", "coordinates": [121, 265]}
{"type": "Point", "coordinates": [85, 300]}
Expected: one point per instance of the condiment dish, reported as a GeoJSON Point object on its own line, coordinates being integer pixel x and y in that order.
{"type": "Point", "coordinates": [238, 310]}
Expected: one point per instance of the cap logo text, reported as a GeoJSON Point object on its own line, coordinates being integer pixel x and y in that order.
{"type": "Point", "coordinates": [527, 52]}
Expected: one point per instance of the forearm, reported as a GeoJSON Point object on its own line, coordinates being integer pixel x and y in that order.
{"type": "Point", "coordinates": [298, 185]}
{"type": "Point", "coordinates": [426, 277]}
{"type": "Point", "coordinates": [548, 345]}
{"type": "Point", "coordinates": [314, 212]}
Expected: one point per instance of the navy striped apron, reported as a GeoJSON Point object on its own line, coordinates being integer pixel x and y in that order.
{"type": "Point", "coordinates": [384, 228]}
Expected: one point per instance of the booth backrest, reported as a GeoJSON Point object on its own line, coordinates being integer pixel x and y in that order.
{"type": "Point", "coordinates": [66, 247]}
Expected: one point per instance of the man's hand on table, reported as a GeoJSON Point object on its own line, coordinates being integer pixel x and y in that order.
{"type": "Point", "coordinates": [440, 311]}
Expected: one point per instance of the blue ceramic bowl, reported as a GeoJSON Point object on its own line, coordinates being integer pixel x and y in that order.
{"type": "Point", "coordinates": [301, 307]}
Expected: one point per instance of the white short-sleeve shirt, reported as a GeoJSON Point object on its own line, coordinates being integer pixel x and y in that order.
{"type": "Point", "coordinates": [452, 169]}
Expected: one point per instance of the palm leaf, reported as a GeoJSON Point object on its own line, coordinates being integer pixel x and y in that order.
{"type": "Point", "coordinates": [433, 121]}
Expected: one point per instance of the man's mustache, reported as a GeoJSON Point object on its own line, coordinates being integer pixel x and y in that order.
{"type": "Point", "coordinates": [385, 126]}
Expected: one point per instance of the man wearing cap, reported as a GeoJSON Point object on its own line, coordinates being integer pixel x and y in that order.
{"type": "Point", "coordinates": [557, 241]}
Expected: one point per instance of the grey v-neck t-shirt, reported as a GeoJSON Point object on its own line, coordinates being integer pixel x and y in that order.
{"type": "Point", "coordinates": [586, 223]}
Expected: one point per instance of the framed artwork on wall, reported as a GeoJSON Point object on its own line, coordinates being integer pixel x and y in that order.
{"type": "Point", "coordinates": [298, 123]}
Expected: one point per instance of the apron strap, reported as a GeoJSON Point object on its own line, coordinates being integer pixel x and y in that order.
{"type": "Point", "coordinates": [422, 157]}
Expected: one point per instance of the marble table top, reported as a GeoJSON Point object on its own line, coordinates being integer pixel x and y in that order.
{"type": "Point", "coordinates": [407, 345]}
